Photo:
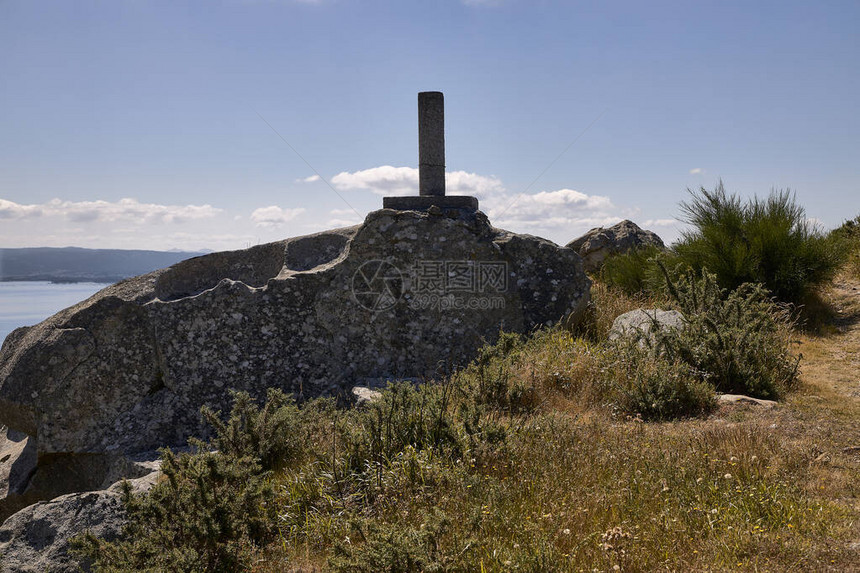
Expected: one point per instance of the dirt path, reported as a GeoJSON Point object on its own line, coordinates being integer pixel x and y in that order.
{"type": "Point", "coordinates": [825, 415]}
{"type": "Point", "coordinates": [831, 362]}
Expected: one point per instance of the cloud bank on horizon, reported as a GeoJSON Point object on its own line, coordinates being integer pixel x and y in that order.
{"type": "Point", "coordinates": [560, 215]}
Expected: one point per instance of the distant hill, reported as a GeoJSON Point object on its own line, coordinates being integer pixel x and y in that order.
{"type": "Point", "coordinates": [73, 264]}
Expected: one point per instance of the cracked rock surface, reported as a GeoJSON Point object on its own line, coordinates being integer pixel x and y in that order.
{"type": "Point", "coordinates": [403, 295]}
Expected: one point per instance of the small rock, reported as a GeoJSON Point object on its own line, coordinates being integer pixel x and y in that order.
{"type": "Point", "coordinates": [364, 395]}
{"type": "Point", "coordinates": [37, 537]}
{"type": "Point", "coordinates": [642, 320]}
{"type": "Point", "coordinates": [748, 400]}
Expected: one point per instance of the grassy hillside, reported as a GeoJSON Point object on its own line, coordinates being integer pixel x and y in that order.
{"type": "Point", "coordinates": [528, 460]}
{"type": "Point", "coordinates": [560, 451]}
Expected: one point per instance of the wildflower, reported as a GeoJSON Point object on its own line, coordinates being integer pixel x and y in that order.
{"type": "Point", "coordinates": [728, 476]}
{"type": "Point", "coordinates": [566, 531]}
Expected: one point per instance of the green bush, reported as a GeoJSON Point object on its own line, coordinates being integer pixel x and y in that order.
{"type": "Point", "coordinates": [657, 388]}
{"type": "Point", "coordinates": [737, 340]}
{"type": "Point", "coordinates": [405, 416]}
{"type": "Point", "coordinates": [847, 237]}
{"type": "Point", "coordinates": [634, 272]}
{"type": "Point", "coordinates": [761, 241]}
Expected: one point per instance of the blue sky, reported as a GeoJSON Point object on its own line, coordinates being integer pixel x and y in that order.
{"type": "Point", "coordinates": [137, 124]}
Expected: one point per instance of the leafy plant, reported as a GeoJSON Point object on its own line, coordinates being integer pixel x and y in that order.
{"type": "Point", "coordinates": [760, 241]}
{"type": "Point", "coordinates": [847, 237]}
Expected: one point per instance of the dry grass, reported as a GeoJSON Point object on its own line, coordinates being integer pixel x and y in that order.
{"type": "Point", "coordinates": [606, 304]}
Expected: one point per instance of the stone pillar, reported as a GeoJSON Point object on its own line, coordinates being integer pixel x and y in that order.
{"type": "Point", "coordinates": [431, 144]}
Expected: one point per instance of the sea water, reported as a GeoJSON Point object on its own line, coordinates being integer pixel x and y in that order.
{"type": "Point", "coordinates": [29, 302]}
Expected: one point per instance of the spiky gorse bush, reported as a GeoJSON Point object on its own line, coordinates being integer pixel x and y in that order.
{"type": "Point", "coordinates": [654, 386]}
{"type": "Point", "coordinates": [213, 510]}
{"type": "Point", "coordinates": [737, 341]}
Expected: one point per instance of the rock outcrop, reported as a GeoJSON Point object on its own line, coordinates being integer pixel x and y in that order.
{"type": "Point", "coordinates": [599, 243]}
{"type": "Point", "coordinates": [404, 295]}
{"type": "Point", "coordinates": [37, 537]}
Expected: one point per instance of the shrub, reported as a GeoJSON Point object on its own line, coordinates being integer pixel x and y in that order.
{"type": "Point", "coordinates": [634, 272]}
{"type": "Point", "coordinates": [658, 388]}
{"type": "Point", "coordinates": [405, 416]}
{"type": "Point", "coordinates": [270, 435]}
{"type": "Point", "coordinates": [210, 514]}
{"type": "Point", "coordinates": [847, 236]}
{"type": "Point", "coordinates": [738, 341]}
{"type": "Point", "coordinates": [760, 241]}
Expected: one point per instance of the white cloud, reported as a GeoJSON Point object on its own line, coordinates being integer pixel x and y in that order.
{"type": "Point", "coordinates": [274, 216]}
{"type": "Point", "coordinates": [398, 181]}
{"type": "Point", "coordinates": [131, 224]}
{"type": "Point", "coordinates": [697, 171]}
{"type": "Point", "coordinates": [310, 179]}
{"type": "Point", "coordinates": [661, 223]}
{"type": "Point", "coordinates": [11, 210]}
{"type": "Point", "coordinates": [560, 215]}
{"type": "Point", "coordinates": [382, 180]}
{"type": "Point", "coordinates": [128, 210]}
{"type": "Point", "coordinates": [463, 183]}
{"type": "Point", "coordinates": [343, 218]}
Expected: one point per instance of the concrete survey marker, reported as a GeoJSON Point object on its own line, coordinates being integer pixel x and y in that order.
{"type": "Point", "coordinates": [431, 162]}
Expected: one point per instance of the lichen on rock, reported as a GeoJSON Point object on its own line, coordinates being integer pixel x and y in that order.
{"type": "Point", "coordinates": [404, 295]}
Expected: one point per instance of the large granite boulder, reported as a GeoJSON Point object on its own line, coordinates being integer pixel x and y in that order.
{"type": "Point", "coordinates": [17, 467]}
{"type": "Point", "coordinates": [404, 295]}
{"type": "Point", "coordinates": [599, 243]}
{"type": "Point", "coordinates": [37, 537]}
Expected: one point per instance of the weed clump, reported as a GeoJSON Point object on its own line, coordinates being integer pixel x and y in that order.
{"type": "Point", "coordinates": [738, 340]}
